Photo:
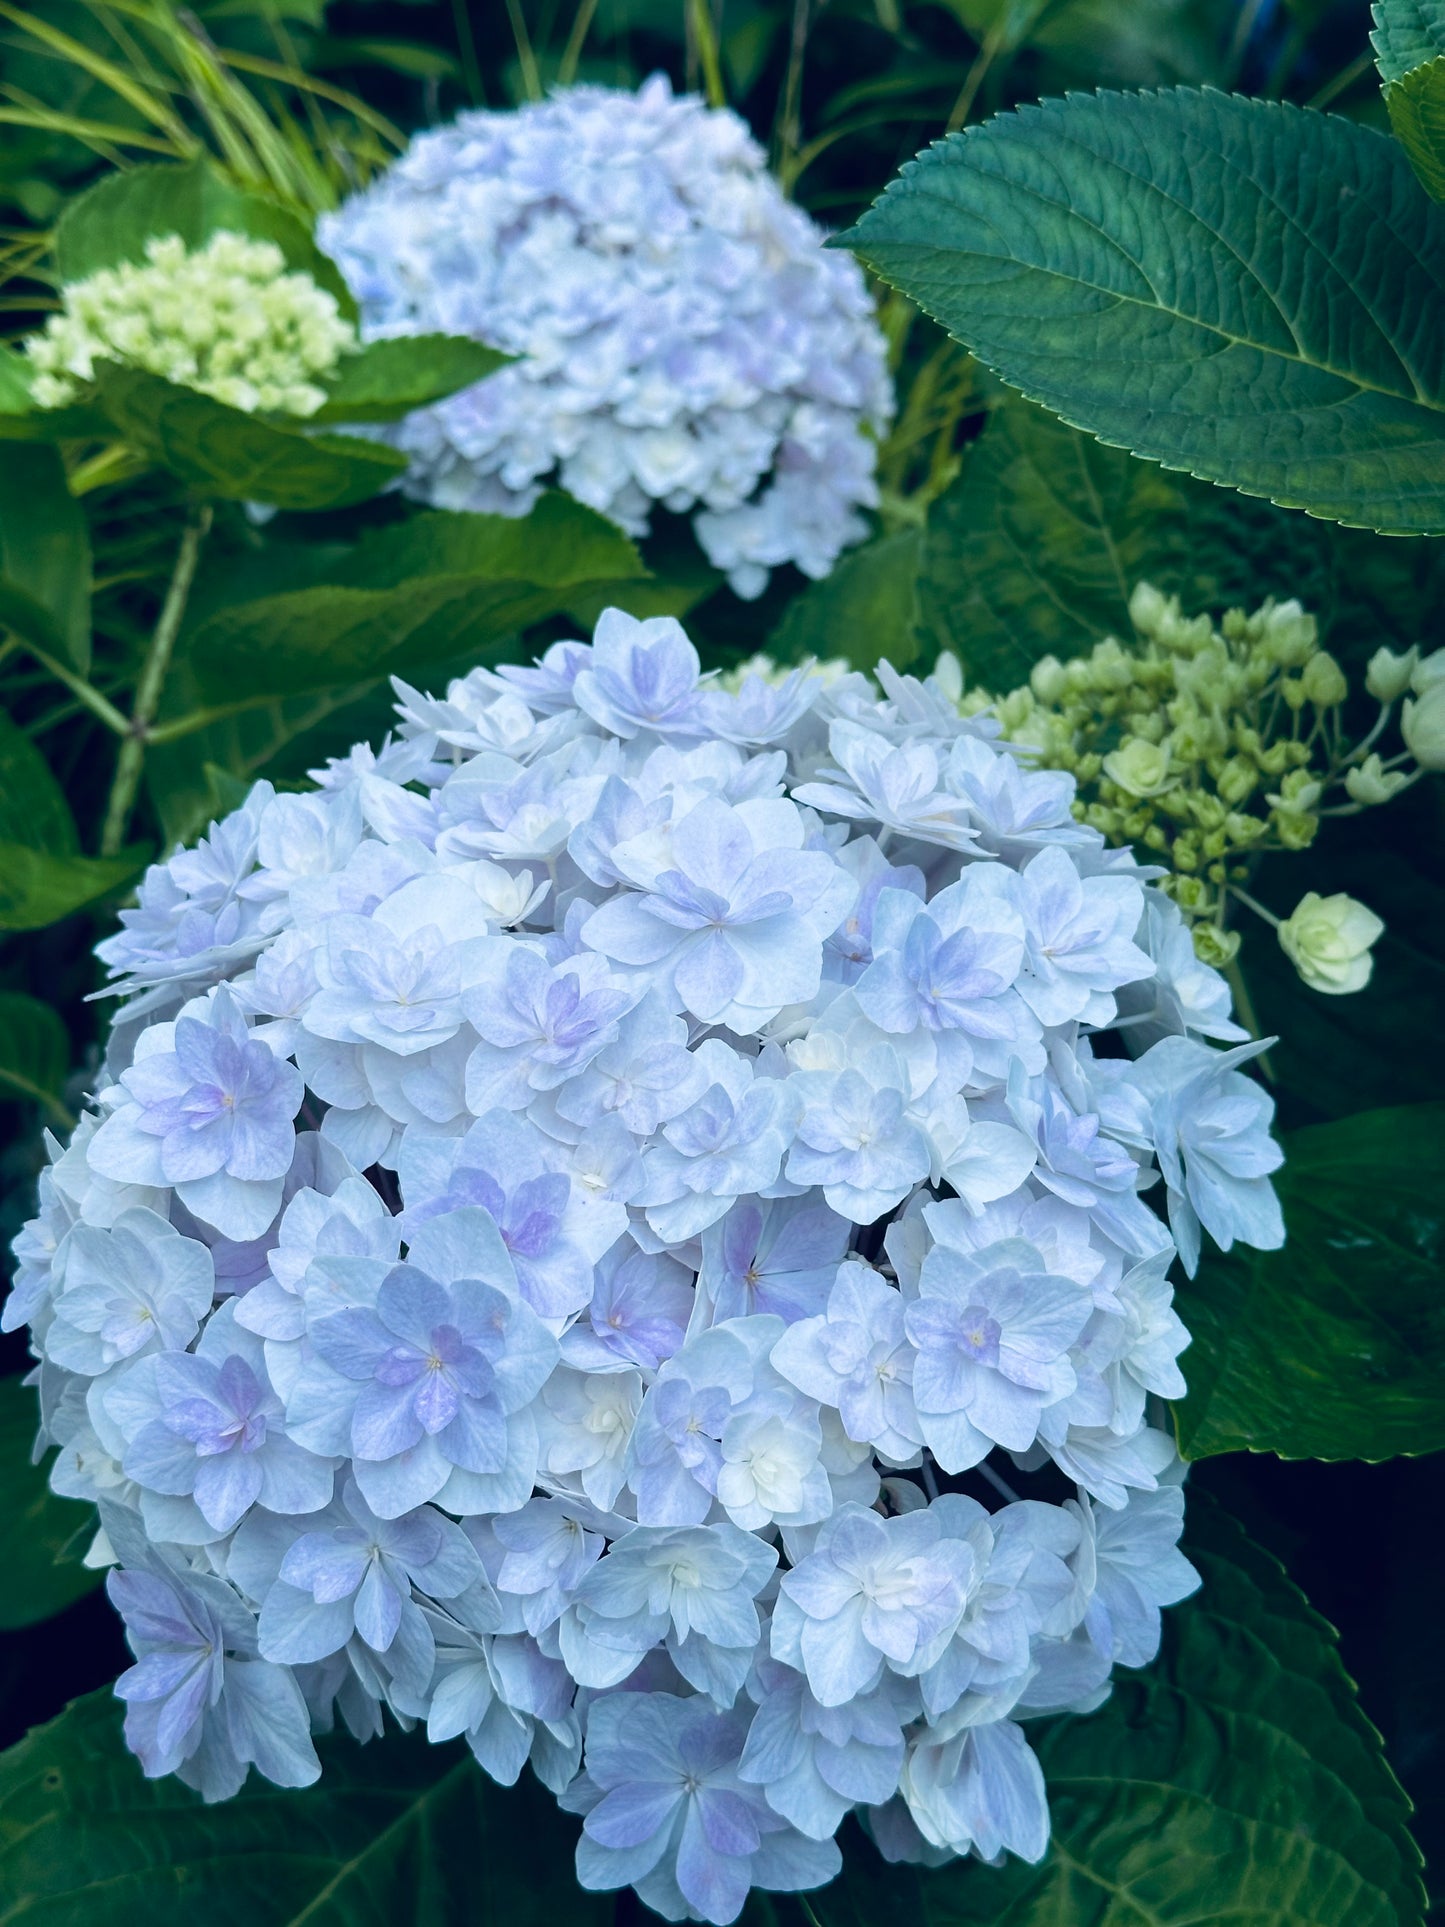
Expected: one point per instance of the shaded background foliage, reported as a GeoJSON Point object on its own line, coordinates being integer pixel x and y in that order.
{"type": "Point", "coordinates": [1002, 535]}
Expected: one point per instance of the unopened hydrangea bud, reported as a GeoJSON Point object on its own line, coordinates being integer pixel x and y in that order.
{"type": "Point", "coordinates": [1049, 680]}
{"type": "Point", "coordinates": [1215, 947]}
{"type": "Point", "coordinates": [948, 674]}
{"type": "Point", "coordinates": [1324, 681]}
{"type": "Point", "coordinates": [1429, 671]}
{"type": "Point", "coordinates": [1329, 940]}
{"type": "Point", "coordinates": [1388, 676]}
{"type": "Point", "coordinates": [1140, 768]}
{"type": "Point", "coordinates": [1372, 782]}
{"type": "Point", "coordinates": [1290, 635]}
{"type": "Point", "coordinates": [1148, 609]}
{"type": "Point", "coordinates": [1237, 779]}
{"type": "Point", "coordinates": [1422, 724]}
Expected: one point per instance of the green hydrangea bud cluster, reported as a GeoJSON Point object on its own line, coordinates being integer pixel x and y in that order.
{"type": "Point", "coordinates": [226, 318]}
{"type": "Point", "coordinates": [1209, 744]}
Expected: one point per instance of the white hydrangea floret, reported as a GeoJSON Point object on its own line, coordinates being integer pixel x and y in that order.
{"type": "Point", "coordinates": [683, 339]}
{"type": "Point", "coordinates": [586, 1216]}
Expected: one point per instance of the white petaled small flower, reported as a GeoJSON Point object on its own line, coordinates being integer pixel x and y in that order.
{"type": "Point", "coordinates": [683, 339]}
{"type": "Point", "coordinates": [1329, 941]}
{"type": "Point", "coordinates": [556, 1210]}
{"type": "Point", "coordinates": [226, 318]}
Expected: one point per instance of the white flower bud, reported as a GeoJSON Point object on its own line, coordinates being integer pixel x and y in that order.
{"type": "Point", "coordinates": [1388, 676]}
{"type": "Point", "coordinates": [1428, 671]}
{"type": "Point", "coordinates": [1372, 782]}
{"type": "Point", "coordinates": [1049, 679]}
{"type": "Point", "coordinates": [1422, 724]}
{"type": "Point", "coordinates": [1139, 767]}
{"type": "Point", "coordinates": [1329, 939]}
{"type": "Point", "coordinates": [948, 674]}
{"type": "Point", "coordinates": [1148, 609]}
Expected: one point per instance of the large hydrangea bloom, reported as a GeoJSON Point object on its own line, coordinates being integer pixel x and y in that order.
{"type": "Point", "coordinates": [577, 1238]}
{"type": "Point", "coordinates": [682, 336]}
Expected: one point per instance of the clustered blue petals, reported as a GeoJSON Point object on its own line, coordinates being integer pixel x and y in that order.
{"type": "Point", "coordinates": [585, 1215]}
{"type": "Point", "coordinates": [682, 339]}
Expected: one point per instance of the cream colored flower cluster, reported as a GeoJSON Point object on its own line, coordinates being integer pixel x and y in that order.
{"type": "Point", "coordinates": [227, 319]}
{"type": "Point", "coordinates": [1211, 744]}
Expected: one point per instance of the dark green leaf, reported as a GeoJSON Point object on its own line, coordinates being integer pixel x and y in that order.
{"type": "Point", "coordinates": [1237, 1781]}
{"type": "Point", "coordinates": [33, 809]}
{"type": "Point", "coordinates": [34, 1064]}
{"type": "Point", "coordinates": [112, 221]}
{"type": "Point", "coordinates": [1407, 32]}
{"type": "Point", "coordinates": [425, 590]}
{"type": "Point", "coordinates": [395, 1834]}
{"type": "Point", "coordinates": [1417, 114]}
{"type": "Point", "coordinates": [1333, 1348]}
{"type": "Point", "coordinates": [864, 611]}
{"type": "Point", "coordinates": [44, 553]}
{"type": "Point", "coordinates": [37, 888]}
{"type": "Point", "coordinates": [1235, 288]}
{"type": "Point", "coordinates": [222, 451]}
{"type": "Point", "coordinates": [389, 378]}
{"type": "Point", "coordinates": [42, 1537]}
{"type": "Point", "coordinates": [1037, 546]}
{"type": "Point", "coordinates": [186, 779]}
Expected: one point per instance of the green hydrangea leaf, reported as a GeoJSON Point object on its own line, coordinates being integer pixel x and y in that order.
{"type": "Point", "coordinates": [1236, 1780]}
{"type": "Point", "coordinates": [44, 556]}
{"type": "Point", "coordinates": [42, 1537]}
{"type": "Point", "coordinates": [222, 451]}
{"type": "Point", "coordinates": [1240, 289]}
{"type": "Point", "coordinates": [418, 593]}
{"type": "Point", "coordinates": [39, 888]}
{"type": "Point", "coordinates": [395, 1834]}
{"type": "Point", "coordinates": [33, 809]}
{"type": "Point", "coordinates": [112, 221]}
{"type": "Point", "coordinates": [1334, 1347]}
{"type": "Point", "coordinates": [1417, 113]}
{"type": "Point", "coordinates": [864, 612]}
{"type": "Point", "coordinates": [34, 1064]}
{"type": "Point", "coordinates": [1407, 32]}
{"type": "Point", "coordinates": [387, 379]}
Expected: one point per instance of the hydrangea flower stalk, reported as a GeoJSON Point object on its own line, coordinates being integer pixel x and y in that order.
{"type": "Point", "coordinates": [586, 1215]}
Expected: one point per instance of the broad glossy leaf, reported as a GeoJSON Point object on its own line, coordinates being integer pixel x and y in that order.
{"type": "Point", "coordinates": [1037, 546]}
{"type": "Point", "coordinates": [1235, 288]}
{"type": "Point", "coordinates": [112, 221]}
{"type": "Point", "coordinates": [387, 379]}
{"type": "Point", "coordinates": [33, 809]}
{"type": "Point", "coordinates": [42, 1537]}
{"type": "Point", "coordinates": [1417, 114]}
{"type": "Point", "coordinates": [39, 888]}
{"type": "Point", "coordinates": [1237, 1780]}
{"type": "Point", "coordinates": [223, 451]}
{"type": "Point", "coordinates": [44, 554]}
{"type": "Point", "coordinates": [395, 1834]}
{"type": "Point", "coordinates": [1407, 33]}
{"type": "Point", "coordinates": [34, 1064]}
{"type": "Point", "coordinates": [431, 588]}
{"type": "Point", "coordinates": [864, 611]}
{"type": "Point", "coordinates": [1334, 1347]}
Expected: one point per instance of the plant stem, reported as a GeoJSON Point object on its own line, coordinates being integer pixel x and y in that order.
{"type": "Point", "coordinates": [700, 24]}
{"type": "Point", "coordinates": [152, 681]}
{"type": "Point", "coordinates": [576, 41]}
{"type": "Point", "coordinates": [526, 58]}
